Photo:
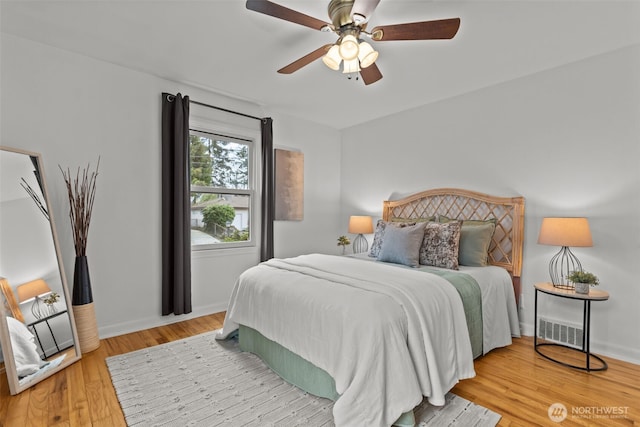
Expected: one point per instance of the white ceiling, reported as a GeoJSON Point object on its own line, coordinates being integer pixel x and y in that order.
{"type": "Point", "coordinates": [219, 45]}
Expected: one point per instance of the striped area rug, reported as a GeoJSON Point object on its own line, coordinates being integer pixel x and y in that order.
{"type": "Point", "coordinates": [199, 381]}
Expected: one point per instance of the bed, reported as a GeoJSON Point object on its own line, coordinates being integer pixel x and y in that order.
{"type": "Point", "coordinates": [378, 331]}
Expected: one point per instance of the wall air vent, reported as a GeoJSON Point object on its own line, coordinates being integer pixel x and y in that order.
{"type": "Point", "coordinates": [563, 333]}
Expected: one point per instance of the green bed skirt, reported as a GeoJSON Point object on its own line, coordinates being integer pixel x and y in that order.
{"type": "Point", "coordinates": [296, 370]}
{"type": "Point", "coordinates": [300, 372]}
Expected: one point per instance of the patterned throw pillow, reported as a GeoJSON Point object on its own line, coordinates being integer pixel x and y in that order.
{"type": "Point", "coordinates": [441, 244]}
{"type": "Point", "coordinates": [378, 237]}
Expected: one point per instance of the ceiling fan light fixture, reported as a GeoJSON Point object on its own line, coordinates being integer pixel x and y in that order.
{"type": "Point", "coordinates": [332, 58]}
{"type": "Point", "coordinates": [351, 67]}
{"type": "Point", "coordinates": [367, 55]}
{"type": "Point", "coordinates": [349, 19]}
{"type": "Point", "coordinates": [349, 48]}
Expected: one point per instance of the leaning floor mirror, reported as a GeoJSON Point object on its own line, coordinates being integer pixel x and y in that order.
{"type": "Point", "coordinates": [37, 329]}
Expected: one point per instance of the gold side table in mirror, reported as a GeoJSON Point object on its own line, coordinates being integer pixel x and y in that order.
{"type": "Point", "coordinates": [30, 259]}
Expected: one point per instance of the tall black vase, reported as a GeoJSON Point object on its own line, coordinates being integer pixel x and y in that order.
{"type": "Point", "coordinates": [81, 282]}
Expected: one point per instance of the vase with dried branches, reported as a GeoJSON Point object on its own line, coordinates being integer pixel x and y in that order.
{"type": "Point", "coordinates": [81, 190]}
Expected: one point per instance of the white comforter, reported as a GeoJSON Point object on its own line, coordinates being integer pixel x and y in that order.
{"type": "Point", "coordinates": [499, 311]}
{"type": "Point", "coordinates": [339, 314]}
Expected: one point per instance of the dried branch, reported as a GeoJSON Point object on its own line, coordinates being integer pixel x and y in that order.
{"type": "Point", "coordinates": [82, 192]}
{"type": "Point", "coordinates": [35, 197]}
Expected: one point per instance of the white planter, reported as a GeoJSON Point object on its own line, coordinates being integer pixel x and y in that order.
{"type": "Point", "coordinates": [582, 288]}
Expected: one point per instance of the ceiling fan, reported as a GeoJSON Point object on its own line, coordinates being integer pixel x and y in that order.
{"type": "Point", "coordinates": [349, 20]}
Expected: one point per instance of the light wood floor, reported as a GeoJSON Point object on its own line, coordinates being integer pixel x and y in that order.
{"type": "Point", "coordinates": [513, 381]}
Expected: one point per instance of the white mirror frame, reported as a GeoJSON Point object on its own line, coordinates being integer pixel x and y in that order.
{"type": "Point", "coordinates": [15, 385]}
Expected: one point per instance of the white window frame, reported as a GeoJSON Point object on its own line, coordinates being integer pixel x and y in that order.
{"type": "Point", "coordinates": [208, 130]}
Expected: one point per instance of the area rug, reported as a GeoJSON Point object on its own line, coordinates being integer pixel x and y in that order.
{"type": "Point", "coordinates": [199, 381]}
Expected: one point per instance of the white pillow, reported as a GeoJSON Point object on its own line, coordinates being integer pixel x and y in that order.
{"type": "Point", "coordinates": [25, 350]}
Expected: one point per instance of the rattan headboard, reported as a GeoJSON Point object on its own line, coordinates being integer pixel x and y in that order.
{"type": "Point", "coordinates": [506, 246]}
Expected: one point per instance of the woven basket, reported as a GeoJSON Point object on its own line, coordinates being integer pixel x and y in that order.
{"type": "Point", "coordinates": [87, 327]}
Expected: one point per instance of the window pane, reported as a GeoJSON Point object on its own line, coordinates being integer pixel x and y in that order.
{"type": "Point", "coordinates": [219, 218]}
{"type": "Point", "coordinates": [219, 163]}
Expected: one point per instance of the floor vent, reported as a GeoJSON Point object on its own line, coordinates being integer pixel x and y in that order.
{"type": "Point", "coordinates": [559, 332]}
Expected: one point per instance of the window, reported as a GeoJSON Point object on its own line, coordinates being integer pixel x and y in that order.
{"type": "Point", "coordinates": [221, 191]}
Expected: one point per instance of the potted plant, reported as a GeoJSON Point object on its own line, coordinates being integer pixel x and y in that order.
{"type": "Point", "coordinates": [344, 242]}
{"type": "Point", "coordinates": [582, 280]}
{"type": "Point", "coordinates": [51, 301]}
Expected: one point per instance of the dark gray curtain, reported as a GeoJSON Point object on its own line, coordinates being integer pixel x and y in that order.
{"type": "Point", "coordinates": [268, 190]}
{"type": "Point", "coordinates": [176, 215]}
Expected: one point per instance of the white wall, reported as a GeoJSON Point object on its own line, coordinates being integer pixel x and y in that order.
{"type": "Point", "coordinates": [73, 109]}
{"type": "Point", "coordinates": [319, 230]}
{"type": "Point", "coordinates": [567, 139]}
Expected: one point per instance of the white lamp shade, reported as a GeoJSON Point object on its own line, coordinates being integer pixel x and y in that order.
{"type": "Point", "coordinates": [367, 55]}
{"type": "Point", "coordinates": [32, 289]}
{"type": "Point", "coordinates": [573, 232]}
{"type": "Point", "coordinates": [332, 58]}
{"type": "Point", "coordinates": [359, 224]}
{"type": "Point", "coordinates": [350, 67]}
{"type": "Point", "coordinates": [349, 48]}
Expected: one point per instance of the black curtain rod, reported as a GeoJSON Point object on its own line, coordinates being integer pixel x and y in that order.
{"type": "Point", "coordinates": [171, 97]}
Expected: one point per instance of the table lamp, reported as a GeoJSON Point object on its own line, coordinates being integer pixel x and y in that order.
{"type": "Point", "coordinates": [33, 290]}
{"type": "Point", "coordinates": [564, 232]}
{"type": "Point", "coordinates": [360, 225]}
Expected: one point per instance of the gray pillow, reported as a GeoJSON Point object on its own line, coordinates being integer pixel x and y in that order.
{"type": "Point", "coordinates": [475, 239]}
{"type": "Point", "coordinates": [378, 237]}
{"type": "Point", "coordinates": [474, 244]}
{"type": "Point", "coordinates": [401, 245]}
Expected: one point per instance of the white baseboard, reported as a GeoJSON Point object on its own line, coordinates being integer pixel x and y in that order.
{"type": "Point", "coordinates": [152, 322]}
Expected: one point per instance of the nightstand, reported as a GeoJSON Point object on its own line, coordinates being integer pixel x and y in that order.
{"type": "Point", "coordinates": [46, 322]}
{"type": "Point", "coordinates": [593, 295]}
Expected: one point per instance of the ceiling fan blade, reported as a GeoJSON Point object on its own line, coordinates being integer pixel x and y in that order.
{"type": "Point", "coordinates": [362, 10]}
{"type": "Point", "coordinates": [277, 11]}
{"type": "Point", "coordinates": [371, 74]}
{"type": "Point", "coordinates": [305, 60]}
{"type": "Point", "coordinates": [426, 30]}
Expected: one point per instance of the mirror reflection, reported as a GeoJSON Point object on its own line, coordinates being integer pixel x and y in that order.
{"type": "Point", "coordinates": [38, 334]}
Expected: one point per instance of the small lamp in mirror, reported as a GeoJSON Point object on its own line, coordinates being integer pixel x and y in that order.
{"type": "Point", "coordinates": [564, 232]}
{"type": "Point", "coordinates": [34, 290]}
{"type": "Point", "coordinates": [360, 225]}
